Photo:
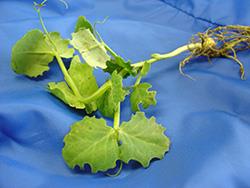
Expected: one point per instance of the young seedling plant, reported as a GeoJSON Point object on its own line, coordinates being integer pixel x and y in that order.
{"type": "Point", "coordinates": [91, 141]}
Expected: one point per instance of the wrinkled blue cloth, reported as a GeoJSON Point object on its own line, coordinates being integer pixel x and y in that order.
{"type": "Point", "coordinates": [207, 120]}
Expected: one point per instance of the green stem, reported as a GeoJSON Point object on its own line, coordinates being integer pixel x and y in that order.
{"type": "Point", "coordinates": [158, 57]}
{"type": "Point", "coordinates": [109, 49]}
{"type": "Point", "coordinates": [44, 28]}
{"type": "Point", "coordinates": [98, 93]}
{"type": "Point", "coordinates": [138, 80]}
{"type": "Point", "coordinates": [117, 117]}
{"type": "Point", "coordinates": [67, 77]}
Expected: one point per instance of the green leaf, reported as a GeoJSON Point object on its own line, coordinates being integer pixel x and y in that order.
{"type": "Point", "coordinates": [83, 23]}
{"type": "Point", "coordinates": [107, 104]}
{"type": "Point", "coordinates": [142, 139]}
{"type": "Point", "coordinates": [32, 54]}
{"type": "Point", "coordinates": [63, 92]}
{"type": "Point", "coordinates": [118, 64]}
{"type": "Point", "coordinates": [91, 141]}
{"type": "Point", "coordinates": [61, 45]}
{"type": "Point", "coordinates": [91, 50]}
{"type": "Point", "coordinates": [141, 95]}
{"type": "Point", "coordinates": [82, 75]}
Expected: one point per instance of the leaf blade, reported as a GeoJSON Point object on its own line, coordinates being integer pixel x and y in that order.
{"type": "Point", "coordinates": [91, 141]}
{"type": "Point", "coordinates": [107, 104]}
{"type": "Point", "coordinates": [31, 48]}
{"type": "Point", "coordinates": [82, 75]}
{"type": "Point", "coordinates": [32, 54]}
{"type": "Point", "coordinates": [118, 64]}
{"type": "Point", "coordinates": [61, 45]}
{"type": "Point", "coordinates": [141, 95]}
{"type": "Point", "coordinates": [142, 140]}
{"type": "Point", "coordinates": [83, 23]}
{"type": "Point", "coordinates": [91, 50]}
{"type": "Point", "coordinates": [64, 93]}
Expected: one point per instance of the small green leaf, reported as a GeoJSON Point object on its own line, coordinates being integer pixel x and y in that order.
{"type": "Point", "coordinates": [141, 95]}
{"type": "Point", "coordinates": [107, 104]}
{"type": "Point", "coordinates": [91, 50]}
{"type": "Point", "coordinates": [145, 69]}
{"type": "Point", "coordinates": [91, 141]}
{"type": "Point", "coordinates": [142, 139]}
{"type": "Point", "coordinates": [82, 75]}
{"type": "Point", "coordinates": [83, 23]}
{"type": "Point", "coordinates": [63, 92]}
{"type": "Point", "coordinates": [118, 64]}
{"type": "Point", "coordinates": [32, 54]}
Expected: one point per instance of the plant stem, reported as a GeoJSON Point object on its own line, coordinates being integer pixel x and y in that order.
{"type": "Point", "coordinates": [98, 93]}
{"type": "Point", "coordinates": [117, 117]}
{"type": "Point", "coordinates": [67, 77]}
{"type": "Point", "coordinates": [158, 57]}
{"type": "Point", "coordinates": [109, 49]}
{"type": "Point", "coordinates": [138, 80]}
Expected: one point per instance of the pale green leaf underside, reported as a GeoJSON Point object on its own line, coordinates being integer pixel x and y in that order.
{"type": "Point", "coordinates": [92, 142]}
{"type": "Point", "coordinates": [107, 104]}
{"type": "Point", "coordinates": [141, 95]}
{"type": "Point", "coordinates": [82, 75]}
{"type": "Point", "coordinates": [32, 54]}
{"type": "Point", "coordinates": [142, 140]}
{"type": "Point", "coordinates": [91, 50]}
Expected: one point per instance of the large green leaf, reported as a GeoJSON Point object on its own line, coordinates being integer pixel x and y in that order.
{"type": "Point", "coordinates": [82, 75]}
{"type": "Point", "coordinates": [142, 139]}
{"type": "Point", "coordinates": [91, 50]}
{"type": "Point", "coordinates": [107, 104]}
{"type": "Point", "coordinates": [91, 141]}
{"type": "Point", "coordinates": [141, 95]}
{"type": "Point", "coordinates": [32, 54]}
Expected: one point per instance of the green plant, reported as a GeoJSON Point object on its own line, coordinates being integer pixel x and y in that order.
{"type": "Point", "coordinates": [91, 141]}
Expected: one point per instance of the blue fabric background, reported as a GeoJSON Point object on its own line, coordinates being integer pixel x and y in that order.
{"type": "Point", "coordinates": [208, 120]}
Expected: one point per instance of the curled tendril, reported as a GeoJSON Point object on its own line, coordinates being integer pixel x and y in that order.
{"type": "Point", "coordinates": [65, 4]}
{"type": "Point", "coordinates": [222, 41]}
{"type": "Point", "coordinates": [94, 27]}
{"type": "Point", "coordinates": [118, 171]}
{"type": "Point", "coordinates": [38, 6]}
